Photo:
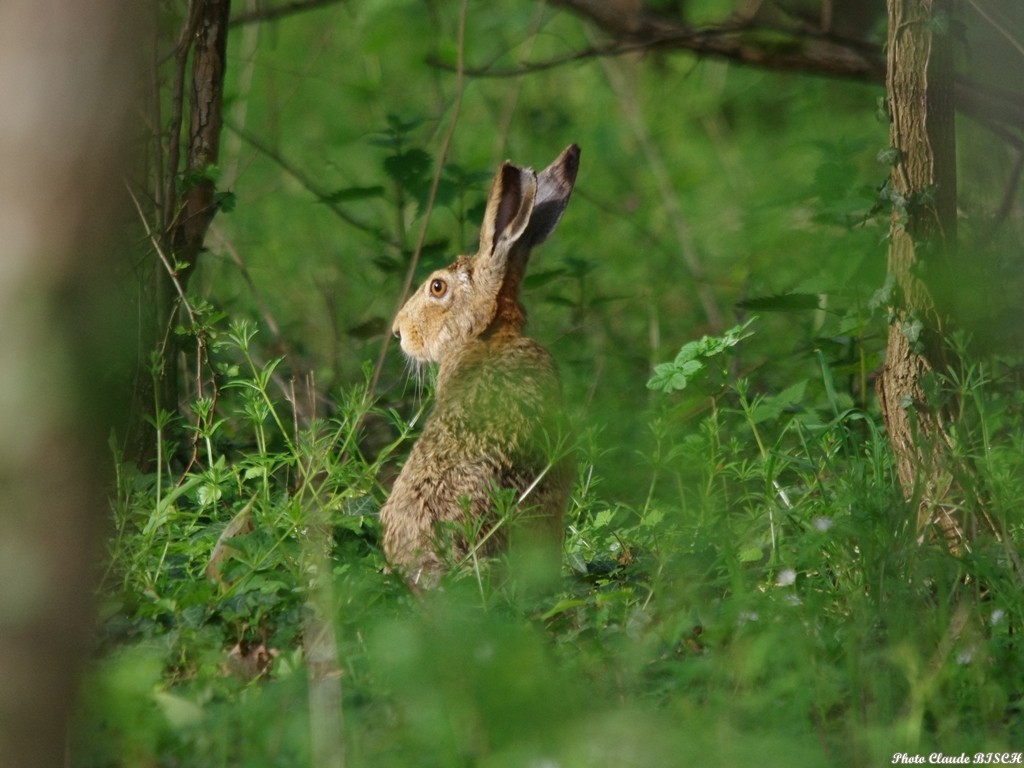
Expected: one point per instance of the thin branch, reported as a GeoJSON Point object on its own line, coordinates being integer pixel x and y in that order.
{"type": "Point", "coordinates": [163, 257]}
{"type": "Point", "coordinates": [313, 188]}
{"type": "Point", "coordinates": [999, 25]}
{"type": "Point", "coordinates": [509, 110]}
{"type": "Point", "coordinates": [743, 39]}
{"type": "Point", "coordinates": [261, 305]}
{"type": "Point", "coordinates": [753, 44]}
{"type": "Point", "coordinates": [997, 109]}
{"type": "Point", "coordinates": [302, 412]}
{"type": "Point", "coordinates": [489, 71]}
{"type": "Point", "coordinates": [279, 11]}
{"type": "Point", "coordinates": [201, 349]}
{"type": "Point", "coordinates": [656, 162]}
{"type": "Point", "coordinates": [748, 43]}
{"type": "Point", "coordinates": [441, 157]}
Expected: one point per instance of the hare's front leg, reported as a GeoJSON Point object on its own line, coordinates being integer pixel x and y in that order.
{"type": "Point", "coordinates": [436, 514]}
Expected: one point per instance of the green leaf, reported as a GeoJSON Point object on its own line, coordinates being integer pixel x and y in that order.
{"type": "Point", "coordinates": [883, 296]}
{"type": "Point", "coordinates": [540, 279]}
{"type": "Point", "coordinates": [179, 711]}
{"type": "Point", "coordinates": [603, 518]}
{"type": "Point", "coordinates": [670, 377]}
{"type": "Point", "coordinates": [209, 494]}
{"type": "Point", "coordinates": [939, 23]}
{"type": "Point", "coordinates": [782, 302]}
{"type": "Point", "coordinates": [563, 605]}
{"type": "Point", "coordinates": [225, 201]}
{"type": "Point", "coordinates": [420, 187]}
{"type": "Point", "coordinates": [166, 505]}
{"type": "Point", "coordinates": [360, 506]}
{"type": "Point", "coordinates": [407, 168]}
{"type": "Point", "coordinates": [374, 327]}
{"type": "Point", "coordinates": [654, 516]}
{"type": "Point", "coordinates": [750, 554]}
{"type": "Point", "coordinates": [579, 267]}
{"type": "Point", "coordinates": [829, 381]}
{"type": "Point", "coordinates": [348, 194]}
{"type": "Point", "coordinates": [770, 408]}
{"type": "Point", "coordinates": [691, 350]}
{"type": "Point", "coordinates": [888, 156]}
{"type": "Point", "coordinates": [253, 473]}
{"type": "Point", "coordinates": [912, 328]}
{"type": "Point", "coordinates": [399, 126]}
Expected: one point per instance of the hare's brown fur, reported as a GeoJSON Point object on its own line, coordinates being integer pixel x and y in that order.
{"type": "Point", "coordinates": [496, 419]}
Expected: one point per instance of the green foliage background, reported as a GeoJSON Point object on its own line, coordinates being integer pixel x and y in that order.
{"type": "Point", "coordinates": [741, 585]}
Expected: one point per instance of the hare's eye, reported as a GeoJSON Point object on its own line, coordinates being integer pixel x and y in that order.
{"type": "Point", "coordinates": [438, 288]}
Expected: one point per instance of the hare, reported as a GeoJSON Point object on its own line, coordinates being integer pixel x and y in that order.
{"type": "Point", "coordinates": [497, 398]}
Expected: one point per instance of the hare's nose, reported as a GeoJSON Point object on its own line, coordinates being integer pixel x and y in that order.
{"type": "Point", "coordinates": [397, 333]}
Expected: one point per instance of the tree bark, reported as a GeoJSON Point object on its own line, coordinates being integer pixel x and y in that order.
{"type": "Point", "coordinates": [923, 226]}
{"type": "Point", "coordinates": [187, 205]}
{"type": "Point", "coordinates": [206, 107]}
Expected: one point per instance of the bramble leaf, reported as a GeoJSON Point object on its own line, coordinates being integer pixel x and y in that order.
{"type": "Point", "coordinates": [674, 376]}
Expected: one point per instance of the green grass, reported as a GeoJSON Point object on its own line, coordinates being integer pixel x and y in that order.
{"type": "Point", "coordinates": [764, 602]}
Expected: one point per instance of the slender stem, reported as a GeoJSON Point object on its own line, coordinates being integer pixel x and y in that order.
{"type": "Point", "coordinates": [442, 155]}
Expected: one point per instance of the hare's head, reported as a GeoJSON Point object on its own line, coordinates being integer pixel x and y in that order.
{"type": "Point", "coordinates": [479, 294]}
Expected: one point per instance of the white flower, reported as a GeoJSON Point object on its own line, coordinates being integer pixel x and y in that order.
{"type": "Point", "coordinates": [822, 523]}
{"type": "Point", "coordinates": [997, 616]}
{"type": "Point", "coordinates": [786, 578]}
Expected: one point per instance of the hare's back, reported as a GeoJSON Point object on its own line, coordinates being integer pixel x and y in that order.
{"type": "Point", "coordinates": [512, 388]}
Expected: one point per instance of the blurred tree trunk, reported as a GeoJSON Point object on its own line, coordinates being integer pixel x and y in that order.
{"type": "Point", "coordinates": [923, 183]}
{"type": "Point", "coordinates": [185, 201]}
{"type": "Point", "coordinates": [66, 72]}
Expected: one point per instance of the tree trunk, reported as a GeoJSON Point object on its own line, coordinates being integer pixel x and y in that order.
{"type": "Point", "coordinates": [188, 229]}
{"type": "Point", "coordinates": [187, 203]}
{"type": "Point", "coordinates": [66, 86]}
{"type": "Point", "coordinates": [923, 226]}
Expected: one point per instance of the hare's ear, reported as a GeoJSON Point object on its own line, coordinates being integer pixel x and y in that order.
{"type": "Point", "coordinates": [509, 205]}
{"type": "Point", "coordinates": [554, 186]}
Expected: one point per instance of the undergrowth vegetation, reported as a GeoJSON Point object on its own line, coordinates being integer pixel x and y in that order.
{"type": "Point", "coordinates": [763, 603]}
